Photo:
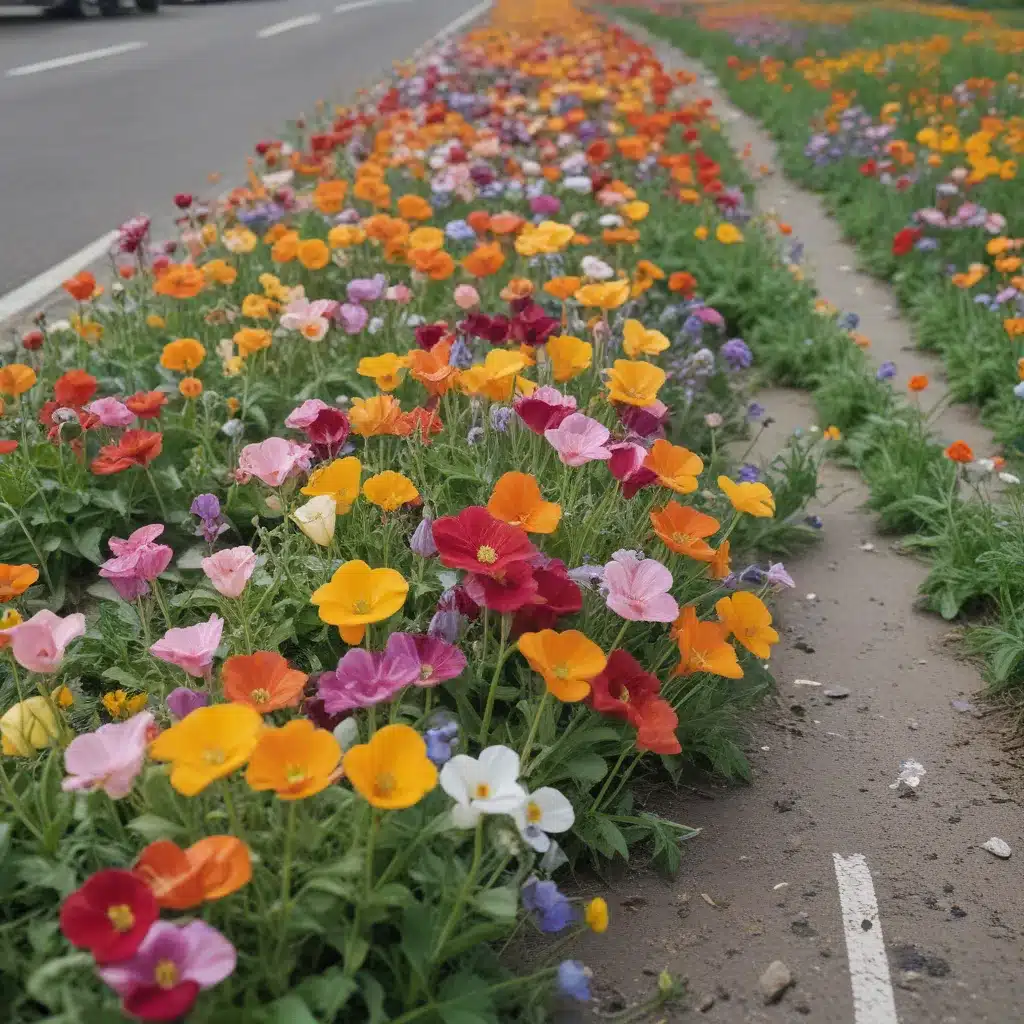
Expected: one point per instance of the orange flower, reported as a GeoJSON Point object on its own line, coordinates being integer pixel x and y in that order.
{"type": "Point", "coordinates": [413, 207]}
{"type": "Point", "coordinates": [190, 387]}
{"type": "Point", "coordinates": [495, 377]}
{"type": "Point", "coordinates": [682, 529]}
{"type": "Point", "coordinates": [620, 236]}
{"type": "Point", "coordinates": [262, 680]}
{"type": "Point", "coordinates": [183, 355]}
{"type": "Point", "coordinates": [382, 228]}
{"type": "Point", "coordinates": [357, 596]}
{"type": "Point", "coordinates": [703, 647]}
{"type": "Point", "coordinates": [389, 490]}
{"type": "Point", "coordinates": [485, 260]}
{"type": "Point", "coordinates": [392, 771]}
{"type": "Point", "coordinates": [370, 417]}
{"type": "Point", "coordinates": [960, 451]}
{"type": "Point", "coordinates": [435, 263]}
{"type": "Point", "coordinates": [569, 356]}
{"type": "Point", "coordinates": [634, 383]}
{"type": "Point", "coordinates": [563, 287]}
{"type": "Point", "coordinates": [517, 288]}
{"type": "Point", "coordinates": [567, 661]}
{"type": "Point", "coordinates": [675, 467]}
{"type": "Point", "coordinates": [313, 254]}
{"type": "Point", "coordinates": [180, 281]}
{"type": "Point", "coordinates": [81, 286]}
{"type": "Point", "coordinates": [720, 567]}
{"type": "Point", "coordinates": [285, 248]}
{"type": "Point", "coordinates": [505, 223]}
{"type": "Point", "coordinates": [516, 500]}
{"type": "Point", "coordinates": [295, 761]}
{"type": "Point", "coordinates": [251, 339]}
{"type": "Point", "coordinates": [16, 579]}
{"type": "Point", "coordinates": [918, 382]}
{"type": "Point", "coordinates": [329, 196]}
{"type": "Point", "coordinates": [219, 272]}
{"type": "Point", "coordinates": [16, 379]}
{"type": "Point", "coordinates": [606, 295]}
{"type": "Point", "coordinates": [208, 870]}
{"type": "Point", "coordinates": [479, 221]}
{"type": "Point", "coordinates": [432, 369]}
{"type": "Point", "coordinates": [746, 617]}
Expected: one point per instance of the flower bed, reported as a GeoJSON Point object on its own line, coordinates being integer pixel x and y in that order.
{"type": "Point", "coordinates": [372, 541]}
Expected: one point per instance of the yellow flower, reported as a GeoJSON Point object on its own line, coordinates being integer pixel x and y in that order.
{"type": "Point", "coordinates": [120, 705]}
{"type": "Point", "coordinates": [344, 236]}
{"type": "Point", "coordinates": [386, 370]}
{"type": "Point", "coordinates": [548, 237]}
{"type": "Point", "coordinates": [358, 595]}
{"type": "Point", "coordinates": [832, 434]}
{"type": "Point", "coordinates": [635, 211]}
{"type": "Point", "coordinates": [389, 490]}
{"type": "Point", "coordinates": [495, 376]}
{"type": "Point", "coordinates": [569, 356]}
{"type": "Point", "coordinates": [638, 340]}
{"type": "Point", "coordinates": [700, 233]}
{"type": "Point", "coordinates": [728, 234]}
{"type": "Point", "coordinates": [634, 383]}
{"type": "Point", "coordinates": [428, 239]}
{"type": "Point", "coordinates": [753, 498]}
{"type": "Point", "coordinates": [339, 480]}
{"type": "Point", "coordinates": [257, 307]}
{"type": "Point", "coordinates": [392, 771]}
{"type": "Point", "coordinates": [596, 915]}
{"type": "Point", "coordinates": [28, 726]}
{"type": "Point", "coordinates": [239, 240]}
{"type": "Point", "coordinates": [607, 295]}
{"type": "Point", "coordinates": [219, 272]}
{"type": "Point", "coordinates": [155, 321]}
{"type": "Point", "coordinates": [251, 339]}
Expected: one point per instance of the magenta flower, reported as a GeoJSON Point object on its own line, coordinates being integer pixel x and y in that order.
{"type": "Point", "coordinates": [109, 758]}
{"type": "Point", "coordinates": [352, 317]}
{"type": "Point", "coordinates": [627, 466]}
{"type": "Point", "coordinates": [190, 648]}
{"type": "Point", "coordinates": [136, 561]}
{"type": "Point", "coordinates": [546, 408]}
{"type": "Point", "coordinates": [438, 660]}
{"type": "Point", "coordinates": [301, 416]}
{"type": "Point", "coordinates": [229, 570]}
{"type": "Point", "coordinates": [274, 460]}
{"type": "Point", "coordinates": [579, 439]}
{"type": "Point", "coordinates": [638, 588]}
{"type": "Point", "coordinates": [645, 420]}
{"type": "Point", "coordinates": [328, 432]}
{"type": "Point", "coordinates": [38, 644]}
{"type": "Point", "coordinates": [182, 701]}
{"type": "Point", "coordinates": [364, 678]}
{"type": "Point", "coordinates": [168, 971]}
{"type": "Point", "coordinates": [111, 412]}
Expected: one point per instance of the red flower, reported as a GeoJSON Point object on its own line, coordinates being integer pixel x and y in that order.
{"type": "Point", "coordinates": [428, 335]}
{"type": "Point", "coordinates": [426, 421]}
{"type": "Point", "coordinates": [657, 728]}
{"type": "Point", "coordinates": [477, 542]}
{"type": "Point", "coordinates": [147, 404]}
{"type": "Point", "coordinates": [491, 328]}
{"type": "Point", "coordinates": [532, 326]}
{"type": "Point", "coordinates": [508, 591]}
{"type": "Point", "coordinates": [544, 409]}
{"type": "Point", "coordinates": [32, 340]}
{"type": "Point", "coordinates": [6, 447]}
{"type": "Point", "coordinates": [556, 595]}
{"type": "Point", "coordinates": [136, 448]}
{"type": "Point", "coordinates": [110, 915]}
{"type": "Point", "coordinates": [904, 239]}
{"type": "Point", "coordinates": [645, 420]}
{"type": "Point", "coordinates": [868, 168]}
{"type": "Point", "coordinates": [328, 432]}
{"type": "Point", "coordinates": [627, 466]}
{"type": "Point", "coordinates": [75, 388]}
{"type": "Point", "coordinates": [623, 688]}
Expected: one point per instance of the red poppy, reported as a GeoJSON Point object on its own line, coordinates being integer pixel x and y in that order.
{"type": "Point", "coordinates": [421, 419]}
{"type": "Point", "coordinates": [110, 915]}
{"type": "Point", "coordinates": [428, 335]}
{"type": "Point", "coordinates": [557, 595]}
{"type": "Point", "coordinates": [904, 239]}
{"type": "Point", "coordinates": [147, 404]}
{"type": "Point", "coordinates": [531, 325]}
{"type": "Point", "coordinates": [491, 328]}
{"type": "Point", "coordinates": [32, 340]}
{"type": "Point", "coordinates": [74, 388]}
{"type": "Point", "coordinates": [656, 730]}
{"type": "Point", "coordinates": [328, 432]}
{"type": "Point", "coordinates": [136, 448]}
{"type": "Point", "coordinates": [645, 420]}
{"type": "Point", "coordinates": [623, 688]}
{"type": "Point", "coordinates": [81, 286]}
{"type": "Point", "coordinates": [6, 447]}
{"type": "Point", "coordinates": [477, 542]}
{"type": "Point", "coordinates": [868, 168]}
{"type": "Point", "coordinates": [539, 414]}
{"type": "Point", "coordinates": [508, 591]}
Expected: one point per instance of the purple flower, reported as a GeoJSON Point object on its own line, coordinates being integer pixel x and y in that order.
{"type": "Point", "coordinates": [437, 659]}
{"type": "Point", "coordinates": [442, 741]}
{"type": "Point", "coordinates": [755, 411]}
{"type": "Point", "coordinates": [737, 354]}
{"type": "Point", "coordinates": [574, 980]}
{"type": "Point", "coordinates": [815, 522]}
{"type": "Point", "coordinates": [364, 678]}
{"type": "Point", "coordinates": [777, 576]}
{"type": "Point", "coordinates": [500, 417]}
{"type": "Point", "coordinates": [207, 508]}
{"type": "Point", "coordinates": [366, 289]}
{"type": "Point", "coordinates": [748, 473]}
{"type": "Point", "coordinates": [752, 574]}
{"type": "Point", "coordinates": [447, 624]}
{"type": "Point", "coordinates": [422, 541]}
{"type": "Point", "coordinates": [550, 909]}
{"type": "Point", "coordinates": [886, 371]}
{"type": "Point", "coordinates": [545, 204]}
{"type": "Point", "coordinates": [352, 317]}
{"type": "Point", "coordinates": [459, 231]}
{"type": "Point", "coordinates": [182, 701]}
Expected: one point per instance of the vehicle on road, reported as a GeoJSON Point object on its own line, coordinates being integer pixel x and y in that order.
{"type": "Point", "coordinates": [86, 8]}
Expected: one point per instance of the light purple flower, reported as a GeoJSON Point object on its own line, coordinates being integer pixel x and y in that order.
{"type": "Point", "coordinates": [111, 412]}
{"type": "Point", "coordinates": [366, 289]}
{"type": "Point", "coordinates": [191, 648]}
{"type": "Point", "coordinates": [778, 577]}
{"type": "Point", "coordinates": [136, 561]}
{"type": "Point", "coordinates": [447, 624]}
{"type": "Point", "coordinates": [109, 758]}
{"type": "Point", "coordinates": [422, 541]}
{"type": "Point", "coordinates": [364, 678]}
{"type": "Point", "coordinates": [352, 317]}
{"type": "Point", "coordinates": [182, 701]}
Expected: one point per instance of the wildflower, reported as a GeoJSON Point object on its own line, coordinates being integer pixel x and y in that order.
{"type": "Point", "coordinates": [606, 296]}
{"type": "Point", "coordinates": [728, 234]}
{"type": "Point", "coordinates": [466, 296]}
{"type": "Point", "coordinates": [373, 416]}
{"type": "Point", "coordinates": [484, 785]}
{"type": "Point", "coordinates": [737, 354]}
{"type": "Point", "coordinates": [364, 678]}
{"type": "Point", "coordinates": [904, 239]}
{"type": "Point", "coordinates": [182, 701]}
{"type": "Point", "coordinates": [263, 680]}
{"type": "Point", "coordinates": [251, 340]}
{"type": "Point", "coordinates": [183, 355]}
{"type": "Point", "coordinates": [638, 589]}
{"type": "Point", "coordinates": [229, 570]}
{"type": "Point", "coordinates": [745, 616]}
{"type": "Point", "coordinates": [109, 915]}
{"type": "Point", "coordinates": [111, 412]}
{"type": "Point", "coordinates": [675, 468]}
{"type": "Point", "coordinates": [109, 758]}
{"type": "Point", "coordinates": [545, 409]}
{"type": "Point", "coordinates": [135, 448]}
{"type": "Point", "coordinates": [569, 356]}
{"type": "Point", "coordinates": [437, 659]}
{"type": "Point", "coordinates": [295, 761]}
{"type": "Point", "coordinates": [776, 576]}
{"type": "Point", "coordinates": [74, 388]}
{"type": "Point", "coordinates": [207, 508]}
{"type": "Point", "coordinates": [421, 542]}
{"type": "Point", "coordinates": [550, 910]}
{"type": "Point", "coordinates": [638, 340]}
{"type": "Point", "coordinates": [682, 529]}
{"type": "Point", "coordinates": [119, 705]}
{"type": "Point", "coordinates": [274, 460]}
{"type": "Point", "coordinates": [209, 869]}
{"type": "Point", "coordinates": [441, 742]}
{"type": "Point", "coordinates": [516, 500]}
{"type": "Point", "coordinates": [358, 595]}
{"type": "Point", "coordinates": [28, 726]}
{"type": "Point", "coordinates": [543, 811]}
{"type": "Point", "coordinates": [392, 771]}
{"type": "Point", "coordinates": [15, 580]}
{"type": "Point", "coordinates": [959, 451]}
{"type": "Point", "coordinates": [703, 647]}
{"type": "Point", "coordinates": [136, 561]}
{"type": "Point", "coordinates": [634, 382]}
{"type": "Point", "coordinates": [386, 370]}
{"type": "Point", "coordinates": [574, 980]}
{"type": "Point", "coordinates": [191, 648]}
{"type": "Point", "coordinates": [578, 439]}
{"type": "Point", "coordinates": [313, 254]}
{"type": "Point", "coordinates": [317, 519]}
{"type": "Point", "coordinates": [173, 964]}
{"type": "Point", "coordinates": [207, 745]}
{"type": "Point", "coordinates": [338, 480]}
{"type": "Point", "coordinates": [567, 661]}
{"type": "Point", "coordinates": [918, 382]}
{"type": "Point", "coordinates": [495, 377]}
{"type": "Point", "coordinates": [682, 282]}
{"type": "Point", "coordinates": [38, 643]}
{"type": "Point", "coordinates": [80, 287]}
{"type": "Point", "coordinates": [478, 542]}
{"type": "Point", "coordinates": [563, 288]}
{"type": "Point", "coordinates": [390, 490]}
{"type": "Point", "coordinates": [754, 499]}
{"type": "Point", "coordinates": [596, 915]}
{"type": "Point", "coordinates": [146, 404]}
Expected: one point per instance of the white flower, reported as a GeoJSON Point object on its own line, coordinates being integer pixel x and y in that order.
{"type": "Point", "coordinates": [316, 519]}
{"type": "Point", "coordinates": [595, 269]}
{"type": "Point", "coordinates": [610, 220]}
{"type": "Point", "coordinates": [1009, 478]}
{"type": "Point", "coordinates": [530, 168]}
{"type": "Point", "coordinates": [484, 785]}
{"type": "Point", "coordinates": [578, 183]}
{"type": "Point", "coordinates": [543, 811]}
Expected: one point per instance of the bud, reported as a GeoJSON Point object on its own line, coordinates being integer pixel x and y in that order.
{"type": "Point", "coordinates": [422, 541]}
{"type": "Point", "coordinates": [32, 340]}
{"type": "Point", "coordinates": [183, 200]}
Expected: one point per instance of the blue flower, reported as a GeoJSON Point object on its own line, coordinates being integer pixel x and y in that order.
{"type": "Point", "coordinates": [500, 417]}
{"type": "Point", "coordinates": [755, 411]}
{"type": "Point", "coordinates": [441, 742]}
{"type": "Point", "coordinates": [814, 522]}
{"type": "Point", "coordinates": [550, 909]}
{"type": "Point", "coordinates": [886, 371]}
{"type": "Point", "coordinates": [737, 354]}
{"type": "Point", "coordinates": [748, 473]}
{"type": "Point", "coordinates": [574, 980]}
{"type": "Point", "coordinates": [459, 231]}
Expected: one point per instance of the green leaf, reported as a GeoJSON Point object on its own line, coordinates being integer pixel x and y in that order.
{"type": "Point", "coordinates": [391, 895]}
{"type": "Point", "coordinates": [327, 993]}
{"type": "Point", "coordinates": [88, 544]}
{"type": "Point", "coordinates": [502, 903]}
{"type": "Point", "coordinates": [418, 936]}
{"type": "Point", "coordinates": [291, 1009]}
{"type": "Point", "coordinates": [464, 999]}
{"type": "Point", "coordinates": [114, 500]}
{"type": "Point", "coordinates": [43, 983]}
{"type": "Point", "coordinates": [611, 836]}
{"type": "Point", "coordinates": [153, 827]}
{"type": "Point", "coordinates": [587, 767]}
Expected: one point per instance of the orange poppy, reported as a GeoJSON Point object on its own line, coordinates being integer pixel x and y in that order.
{"type": "Point", "coordinates": [479, 221]}
{"type": "Point", "coordinates": [675, 467]}
{"type": "Point", "coordinates": [382, 228]}
{"type": "Point", "coordinates": [918, 382]}
{"type": "Point", "coordinates": [251, 339]}
{"type": "Point", "coordinates": [182, 355]}
{"type": "Point", "coordinates": [413, 207]}
{"type": "Point", "coordinates": [180, 281]}
{"type": "Point", "coordinates": [960, 451]}
{"type": "Point", "coordinates": [719, 566]}
{"type": "Point", "coordinates": [329, 196]}
{"type": "Point", "coordinates": [435, 263]}
{"type": "Point", "coordinates": [15, 580]}
{"type": "Point", "coordinates": [286, 248]}
{"type": "Point", "coordinates": [190, 387]}
{"type": "Point", "coordinates": [746, 617]}
{"type": "Point", "coordinates": [620, 236]}
{"type": "Point", "coordinates": [81, 286]}
{"type": "Point", "coordinates": [563, 288]}
{"type": "Point", "coordinates": [262, 680]}
{"type": "Point", "coordinates": [370, 417]}
{"type": "Point", "coordinates": [703, 647]}
{"type": "Point", "coordinates": [295, 761]}
{"type": "Point", "coordinates": [485, 260]}
{"type": "Point", "coordinates": [16, 379]}
{"type": "Point", "coordinates": [181, 879]}
{"type": "Point", "coordinates": [567, 661]}
{"type": "Point", "coordinates": [135, 448]}
{"type": "Point", "coordinates": [516, 500]}
{"type": "Point", "coordinates": [506, 223]}
{"type": "Point", "coordinates": [569, 356]}
{"type": "Point", "coordinates": [517, 288]}
{"type": "Point", "coordinates": [146, 404]}
{"type": "Point", "coordinates": [682, 529]}
{"type": "Point", "coordinates": [313, 254]}
{"type": "Point", "coordinates": [682, 282]}
{"type": "Point", "coordinates": [432, 369]}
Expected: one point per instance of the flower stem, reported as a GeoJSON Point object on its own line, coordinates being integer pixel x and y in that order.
{"type": "Point", "coordinates": [608, 781]}
{"type": "Point", "coordinates": [503, 653]}
{"type": "Point", "coordinates": [467, 885]}
{"type": "Point", "coordinates": [621, 634]}
{"type": "Point", "coordinates": [524, 754]}
{"type": "Point", "coordinates": [156, 491]}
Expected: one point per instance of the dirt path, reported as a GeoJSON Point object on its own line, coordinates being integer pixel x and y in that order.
{"type": "Point", "coordinates": [761, 885]}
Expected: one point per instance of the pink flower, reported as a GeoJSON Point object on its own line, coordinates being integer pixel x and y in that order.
{"type": "Point", "coordinates": [109, 758]}
{"type": "Point", "coordinates": [328, 432]}
{"type": "Point", "coordinates": [400, 293]}
{"type": "Point", "coordinates": [172, 965]}
{"type": "Point", "coordinates": [38, 644]}
{"type": "Point", "coordinates": [229, 570]}
{"type": "Point", "coordinates": [274, 460]}
{"type": "Point", "coordinates": [579, 439]}
{"type": "Point", "coordinates": [638, 588]}
{"type": "Point", "coordinates": [364, 678]}
{"type": "Point", "coordinates": [466, 296]}
{"type": "Point", "coordinates": [438, 660]}
{"type": "Point", "coordinates": [645, 420]}
{"type": "Point", "coordinates": [546, 408]}
{"type": "Point", "coordinates": [111, 412]}
{"type": "Point", "coordinates": [352, 317]}
{"type": "Point", "coordinates": [310, 319]}
{"type": "Point", "coordinates": [191, 647]}
{"type": "Point", "coordinates": [301, 416]}
{"type": "Point", "coordinates": [627, 466]}
{"type": "Point", "coordinates": [136, 561]}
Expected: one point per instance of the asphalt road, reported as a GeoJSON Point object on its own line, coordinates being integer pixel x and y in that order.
{"type": "Point", "coordinates": [170, 99]}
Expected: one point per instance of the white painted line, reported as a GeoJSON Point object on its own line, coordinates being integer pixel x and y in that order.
{"type": "Point", "coordinates": [32, 293]}
{"type": "Point", "coordinates": [74, 58]}
{"type": "Point", "coordinates": [287, 26]}
{"type": "Point", "coordinates": [357, 5]}
{"type": "Point", "coordinates": [460, 22]}
{"type": "Point", "coordinates": [873, 1001]}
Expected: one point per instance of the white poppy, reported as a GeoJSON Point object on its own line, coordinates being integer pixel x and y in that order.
{"type": "Point", "coordinates": [543, 811]}
{"type": "Point", "coordinates": [595, 269]}
{"type": "Point", "coordinates": [316, 519]}
{"type": "Point", "coordinates": [484, 785]}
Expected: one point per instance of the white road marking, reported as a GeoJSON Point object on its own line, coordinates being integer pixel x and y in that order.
{"type": "Point", "coordinates": [74, 58]}
{"type": "Point", "coordinates": [359, 4]}
{"type": "Point", "coordinates": [873, 1001]}
{"type": "Point", "coordinates": [460, 22]}
{"type": "Point", "coordinates": [287, 26]}
{"type": "Point", "coordinates": [32, 293]}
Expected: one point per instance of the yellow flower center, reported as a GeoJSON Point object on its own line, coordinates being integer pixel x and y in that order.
{"type": "Point", "coordinates": [295, 774]}
{"type": "Point", "coordinates": [624, 696]}
{"type": "Point", "coordinates": [426, 671]}
{"type": "Point", "coordinates": [533, 813]}
{"type": "Point", "coordinates": [482, 791]}
{"type": "Point", "coordinates": [260, 695]}
{"type": "Point", "coordinates": [165, 974]}
{"type": "Point", "coordinates": [750, 631]}
{"type": "Point", "coordinates": [561, 672]}
{"type": "Point", "coordinates": [361, 607]}
{"type": "Point", "coordinates": [214, 755]}
{"type": "Point", "coordinates": [486, 554]}
{"type": "Point", "coordinates": [121, 917]}
{"type": "Point", "coordinates": [384, 785]}
{"type": "Point", "coordinates": [682, 539]}
{"type": "Point", "coordinates": [699, 661]}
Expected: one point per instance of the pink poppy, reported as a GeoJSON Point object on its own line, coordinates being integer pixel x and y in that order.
{"type": "Point", "coordinates": [190, 648]}
{"type": "Point", "coordinates": [301, 416]}
{"type": "Point", "coordinates": [109, 758]}
{"type": "Point", "coordinates": [400, 293]}
{"type": "Point", "coordinates": [627, 466]}
{"type": "Point", "coordinates": [229, 570]}
{"type": "Point", "coordinates": [136, 561]}
{"type": "Point", "coordinates": [328, 432]}
{"type": "Point", "coordinates": [38, 644]}
{"type": "Point", "coordinates": [274, 460]}
{"type": "Point", "coordinates": [364, 678]}
{"type": "Point", "coordinates": [546, 408]}
{"type": "Point", "coordinates": [438, 660]}
{"type": "Point", "coordinates": [638, 588]}
{"type": "Point", "coordinates": [111, 412]}
{"type": "Point", "coordinates": [579, 439]}
{"type": "Point", "coordinates": [466, 297]}
{"type": "Point", "coordinates": [310, 319]}
{"type": "Point", "coordinates": [645, 420]}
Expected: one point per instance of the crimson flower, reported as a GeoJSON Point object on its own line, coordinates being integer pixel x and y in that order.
{"type": "Point", "coordinates": [623, 688]}
{"type": "Point", "coordinates": [491, 328]}
{"type": "Point", "coordinates": [532, 326]}
{"type": "Point", "coordinates": [544, 409]}
{"type": "Point", "coordinates": [904, 239]}
{"type": "Point", "coordinates": [556, 595]}
{"type": "Point", "coordinates": [508, 591]}
{"type": "Point", "coordinates": [428, 335]}
{"type": "Point", "coordinates": [135, 448]}
{"type": "Point", "coordinates": [109, 915]}
{"type": "Point", "coordinates": [328, 432]}
{"type": "Point", "coordinates": [477, 542]}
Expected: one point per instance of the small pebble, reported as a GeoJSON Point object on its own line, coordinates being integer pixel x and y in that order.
{"type": "Point", "coordinates": [997, 847]}
{"type": "Point", "coordinates": [837, 692]}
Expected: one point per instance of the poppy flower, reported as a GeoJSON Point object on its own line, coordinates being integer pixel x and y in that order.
{"type": "Point", "coordinates": [545, 409]}
{"type": "Point", "coordinates": [274, 460]}
{"type": "Point", "coordinates": [7, 447]}
{"type": "Point", "coordinates": [532, 326]}
{"type": "Point", "coordinates": [390, 490]}
{"type": "Point", "coordinates": [746, 617]}
{"type": "Point", "coordinates": [109, 915]}
{"type": "Point", "coordinates": [426, 239]}
{"type": "Point", "coordinates": [567, 661]}
{"type": "Point", "coordinates": [182, 355]}
{"type": "Point", "coordinates": [634, 382]}
{"type": "Point", "coordinates": [638, 340]}
{"type": "Point", "coordinates": [74, 388]}
{"type": "Point", "coordinates": [81, 286]}
{"type": "Point", "coordinates": [755, 499]}
{"type": "Point", "coordinates": [578, 439]}
{"type": "Point", "coordinates": [918, 382]}
{"type": "Point", "coordinates": [429, 335]}
{"type": "Point", "coordinates": [180, 281]}
{"type": "Point", "coordinates": [683, 283]}
{"type": "Point", "coordinates": [904, 240]}
{"type": "Point", "coordinates": [563, 288]}
{"type": "Point", "coordinates": [719, 565]}
{"type": "Point", "coordinates": [503, 592]}
{"type": "Point", "coordinates": [435, 263]}
{"type": "Point", "coordinates": [656, 729]}
{"type": "Point", "coordinates": [16, 379]}
{"type": "Point", "coordinates": [191, 647]}
{"type": "Point", "coordinates": [15, 580]}
{"type": "Point", "coordinates": [569, 356]}
{"type": "Point", "coordinates": [328, 432]}
{"type": "Point", "coordinates": [960, 451]}
{"type": "Point", "coordinates": [414, 207]}
{"type": "Point", "coordinates": [494, 329]}
{"type": "Point", "coordinates": [338, 480]}
{"type": "Point", "coordinates": [703, 647]}
{"type": "Point", "coordinates": [357, 596]}
{"type": "Point", "coordinates": [516, 500]}
{"type": "Point", "coordinates": [495, 377]}
{"type": "Point", "coordinates": [295, 761]}
{"type": "Point", "coordinates": [313, 253]}
{"type": "Point", "coordinates": [147, 404]}
{"type": "Point", "coordinates": [30, 725]}
{"type": "Point", "coordinates": [476, 541]}
{"type": "Point", "coordinates": [181, 879]}
{"type": "Point", "coordinates": [373, 416]}
{"type": "Point", "coordinates": [622, 687]}
{"type": "Point", "coordinates": [438, 660]}
{"type": "Point", "coordinates": [38, 643]}
{"type": "Point", "coordinates": [605, 295]}
{"type": "Point", "coordinates": [135, 448]}
{"type": "Point", "coordinates": [645, 420]}
{"type": "Point", "coordinates": [431, 367]}
{"type": "Point", "coordinates": [207, 745]}
{"type": "Point", "coordinates": [109, 758]}
{"type": "Point", "coordinates": [676, 468]}
{"type": "Point", "coordinates": [682, 529]}
{"type": "Point", "coordinates": [638, 588]}
{"type": "Point", "coordinates": [263, 680]}
{"type": "Point", "coordinates": [557, 595]}
{"type": "Point", "coordinates": [392, 771]}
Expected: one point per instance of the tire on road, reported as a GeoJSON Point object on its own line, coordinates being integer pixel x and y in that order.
{"type": "Point", "coordinates": [148, 6]}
